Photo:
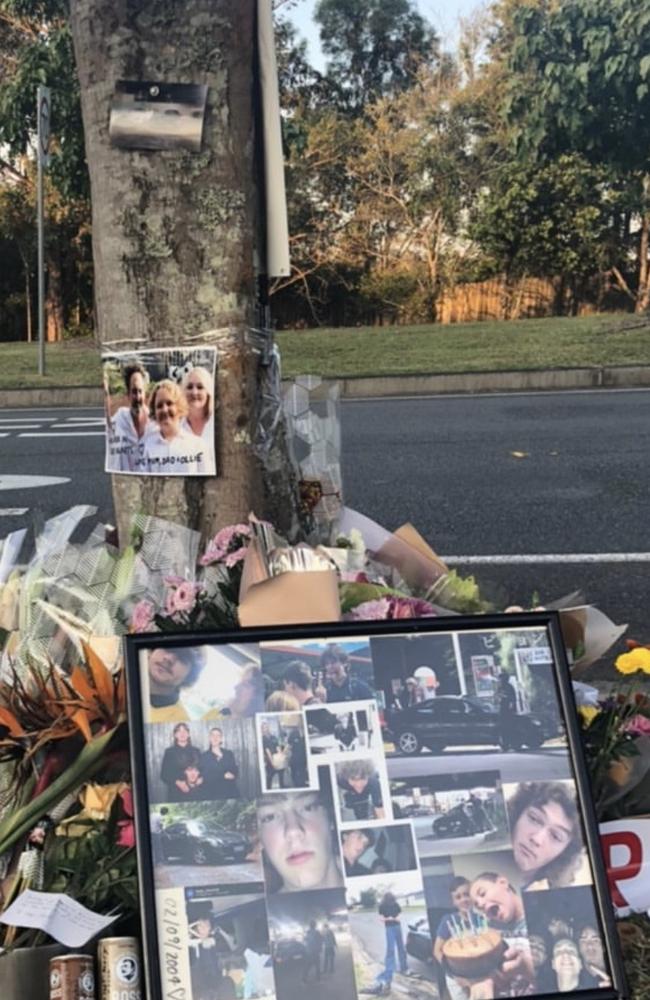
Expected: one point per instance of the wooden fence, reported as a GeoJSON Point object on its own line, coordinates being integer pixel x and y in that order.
{"type": "Point", "coordinates": [498, 299]}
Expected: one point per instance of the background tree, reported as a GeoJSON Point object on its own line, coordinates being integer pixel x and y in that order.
{"type": "Point", "coordinates": [543, 220]}
{"type": "Point", "coordinates": [411, 165]}
{"type": "Point", "coordinates": [374, 47]}
{"type": "Point", "coordinates": [578, 81]}
{"type": "Point", "coordinates": [36, 47]}
{"type": "Point", "coordinates": [174, 233]}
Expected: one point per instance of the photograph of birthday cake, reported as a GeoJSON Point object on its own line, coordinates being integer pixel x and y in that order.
{"type": "Point", "coordinates": [475, 950]}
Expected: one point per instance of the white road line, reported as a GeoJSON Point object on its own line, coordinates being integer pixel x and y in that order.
{"type": "Point", "coordinates": [4, 435]}
{"type": "Point", "coordinates": [20, 427]}
{"type": "Point", "coordinates": [568, 557]}
{"type": "Point", "coordinates": [26, 420]}
{"type": "Point", "coordinates": [29, 482]}
{"type": "Point", "coordinates": [13, 511]}
{"type": "Point", "coordinates": [71, 427]}
{"type": "Point", "coordinates": [64, 434]}
{"type": "Point", "coordinates": [73, 419]}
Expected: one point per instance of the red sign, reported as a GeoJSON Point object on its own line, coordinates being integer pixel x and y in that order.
{"type": "Point", "coordinates": [626, 850]}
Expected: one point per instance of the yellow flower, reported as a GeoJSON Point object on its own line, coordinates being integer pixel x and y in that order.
{"type": "Point", "coordinates": [637, 659]}
{"type": "Point", "coordinates": [588, 713]}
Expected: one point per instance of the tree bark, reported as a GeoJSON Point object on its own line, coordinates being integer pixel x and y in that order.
{"type": "Point", "coordinates": [28, 301]}
{"type": "Point", "coordinates": [174, 232]}
{"type": "Point", "coordinates": [54, 312]}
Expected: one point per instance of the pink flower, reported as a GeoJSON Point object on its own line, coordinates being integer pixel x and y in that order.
{"type": "Point", "coordinates": [185, 595]}
{"type": "Point", "coordinates": [212, 554]}
{"type": "Point", "coordinates": [218, 546]}
{"type": "Point", "coordinates": [376, 610]}
{"type": "Point", "coordinates": [142, 616]}
{"type": "Point", "coordinates": [234, 557]}
{"type": "Point", "coordinates": [125, 827]}
{"type": "Point", "coordinates": [174, 581]}
{"type": "Point", "coordinates": [411, 607]}
{"type": "Point", "coordinates": [639, 725]}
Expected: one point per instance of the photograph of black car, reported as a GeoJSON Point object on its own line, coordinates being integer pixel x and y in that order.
{"type": "Point", "coordinates": [418, 940]}
{"type": "Point", "coordinates": [202, 843]}
{"type": "Point", "coordinates": [208, 843]}
{"type": "Point", "coordinates": [453, 812]}
{"type": "Point", "coordinates": [459, 721]}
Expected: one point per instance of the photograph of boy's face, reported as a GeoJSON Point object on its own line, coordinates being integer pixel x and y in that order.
{"type": "Point", "coordinates": [360, 792]}
{"type": "Point", "coordinates": [296, 832]}
{"type": "Point", "coordinates": [496, 899]}
{"type": "Point", "coordinates": [378, 850]}
{"type": "Point", "coordinates": [590, 944]}
{"type": "Point", "coordinates": [461, 898]}
{"type": "Point", "coordinates": [566, 963]}
{"type": "Point", "coordinates": [167, 671]}
{"type": "Point", "coordinates": [354, 843]}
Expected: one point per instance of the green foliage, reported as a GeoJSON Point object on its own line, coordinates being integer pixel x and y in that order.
{"type": "Point", "coordinates": [548, 219]}
{"type": "Point", "coordinates": [93, 869]}
{"type": "Point", "coordinates": [233, 814]}
{"type": "Point", "coordinates": [578, 80]}
{"type": "Point", "coordinates": [374, 47]}
{"type": "Point", "coordinates": [38, 50]}
{"type": "Point", "coordinates": [368, 899]}
{"type": "Point", "coordinates": [458, 593]}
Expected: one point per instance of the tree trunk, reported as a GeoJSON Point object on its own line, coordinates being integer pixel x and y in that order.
{"type": "Point", "coordinates": [54, 315]}
{"type": "Point", "coordinates": [643, 289]}
{"type": "Point", "coordinates": [28, 301]}
{"type": "Point", "coordinates": [174, 232]}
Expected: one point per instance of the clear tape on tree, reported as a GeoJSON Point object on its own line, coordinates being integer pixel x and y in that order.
{"type": "Point", "coordinates": [269, 406]}
{"type": "Point", "coordinates": [312, 409]}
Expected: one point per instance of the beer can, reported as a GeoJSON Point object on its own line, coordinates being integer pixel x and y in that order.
{"type": "Point", "coordinates": [118, 960]}
{"type": "Point", "coordinates": [72, 977]}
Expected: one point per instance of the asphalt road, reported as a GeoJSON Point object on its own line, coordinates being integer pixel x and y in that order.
{"type": "Point", "coordinates": [169, 875]}
{"type": "Point", "coordinates": [289, 980]}
{"type": "Point", "coordinates": [535, 493]}
{"type": "Point", "coordinates": [547, 764]}
{"type": "Point", "coordinates": [431, 846]}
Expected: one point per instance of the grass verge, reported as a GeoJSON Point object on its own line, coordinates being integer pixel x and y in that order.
{"type": "Point", "coordinates": [585, 341]}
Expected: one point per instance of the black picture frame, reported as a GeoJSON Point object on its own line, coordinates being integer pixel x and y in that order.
{"type": "Point", "coordinates": [162, 933]}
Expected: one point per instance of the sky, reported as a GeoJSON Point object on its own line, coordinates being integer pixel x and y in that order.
{"type": "Point", "coordinates": [442, 14]}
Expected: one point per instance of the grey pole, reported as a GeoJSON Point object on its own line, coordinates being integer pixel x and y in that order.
{"type": "Point", "coordinates": [41, 272]}
{"type": "Point", "coordinates": [43, 137]}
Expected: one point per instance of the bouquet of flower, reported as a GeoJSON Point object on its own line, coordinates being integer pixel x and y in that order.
{"type": "Point", "coordinates": [65, 810]}
{"type": "Point", "coordinates": [66, 817]}
{"type": "Point", "coordinates": [616, 738]}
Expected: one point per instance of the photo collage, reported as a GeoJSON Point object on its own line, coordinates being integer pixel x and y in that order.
{"type": "Point", "coordinates": [367, 815]}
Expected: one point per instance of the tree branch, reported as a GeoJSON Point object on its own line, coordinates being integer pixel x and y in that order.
{"type": "Point", "coordinates": [622, 283]}
{"type": "Point", "coordinates": [5, 165]}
